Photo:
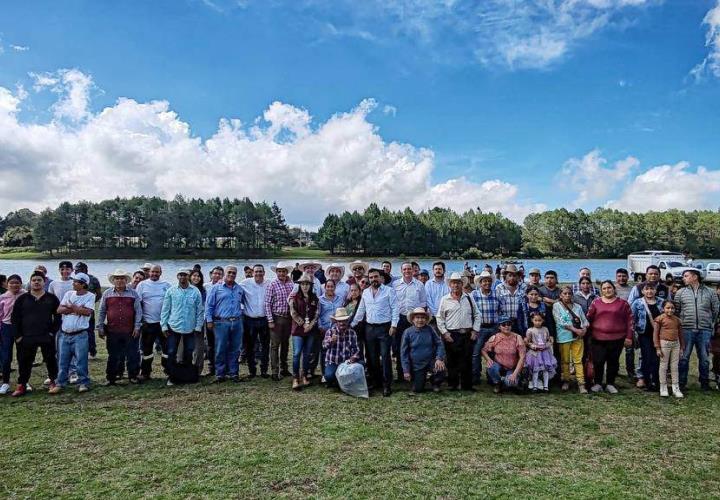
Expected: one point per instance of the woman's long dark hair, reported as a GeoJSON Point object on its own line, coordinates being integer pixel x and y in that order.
{"type": "Point", "coordinates": [201, 285]}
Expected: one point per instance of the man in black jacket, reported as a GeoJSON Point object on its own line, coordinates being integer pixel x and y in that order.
{"type": "Point", "coordinates": [36, 320]}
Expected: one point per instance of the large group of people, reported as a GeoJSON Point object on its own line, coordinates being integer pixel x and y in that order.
{"type": "Point", "coordinates": [421, 327]}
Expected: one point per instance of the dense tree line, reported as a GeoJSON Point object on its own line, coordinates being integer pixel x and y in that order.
{"type": "Point", "coordinates": [438, 231]}
{"type": "Point", "coordinates": [603, 233]}
{"type": "Point", "coordinates": [181, 225]}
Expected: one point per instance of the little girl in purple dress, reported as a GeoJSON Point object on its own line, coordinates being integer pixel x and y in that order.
{"type": "Point", "coordinates": [539, 358]}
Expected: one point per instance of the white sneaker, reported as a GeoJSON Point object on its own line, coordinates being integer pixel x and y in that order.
{"type": "Point", "coordinates": [29, 388]}
{"type": "Point", "coordinates": [73, 378]}
{"type": "Point", "coordinates": [169, 383]}
{"type": "Point", "coordinates": [664, 391]}
{"type": "Point", "coordinates": [47, 382]}
{"type": "Point", "coordinates": [83, 388]}
{"type": "Point", "coordinates": [676, 391]}
{"type": "Point", "coordinates": [596, 388]}
{"type": "Point", "coordinates": [4, 389]}
{"type": "Point", "coordinates": [611, 389]}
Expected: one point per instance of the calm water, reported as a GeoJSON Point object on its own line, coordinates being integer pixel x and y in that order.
{"type": "Point", "coordinates": [567, 269]}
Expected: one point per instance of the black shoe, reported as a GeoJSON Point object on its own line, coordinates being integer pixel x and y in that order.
{"type": "Point", "coordinates": [235, 379]}
{"type": "Point", "coordinates": [705, 387]}
{"type": "Point", "coordinates": [436, 388]}
{"type": "Point", "coordinates": [251, 376]}
{"type": "Point", "coordinates": [453, 388]}
{"type": "Point", "coordinates": [134, 381]}
{"type": "Point", "coordinates": [275, 377]}
{"type": "Point", "coordinates": [286, 373]}
{"type": "Point", "coordinates": [264, 375]}
{"type": "Point", "coordinates": [469, 389]}
{"type": "Point", "coordinates": [386, 392]}
{"type": "Point", "coordinates": [219, 380]}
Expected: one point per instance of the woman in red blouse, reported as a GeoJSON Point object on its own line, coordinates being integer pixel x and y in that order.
{"type": "Point", "coordinates": [611, 325]}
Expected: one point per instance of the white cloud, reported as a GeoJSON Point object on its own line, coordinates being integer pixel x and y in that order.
{"type": "Point", "coordinates": [134, 148]}
{"type": "Point", "coordinates": [671, 186]}
{"type": "Point", "coordinates": [507, 33]}
{"type": "Point", "coordinates": [390, 110]}
{"type": "Point", "coordinates": [591, 179]}
{"type": "Point", "coordinates": [73, 86]}
{"type": "Point", "coordinates": [19, 48]}
{"type": "Point", "coordinates": [711, 63]}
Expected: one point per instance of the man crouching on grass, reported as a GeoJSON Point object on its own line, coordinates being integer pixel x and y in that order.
{"type": "Point", "coordinates": [422, 352]}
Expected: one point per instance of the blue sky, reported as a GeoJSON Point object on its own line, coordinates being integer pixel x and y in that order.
{"type": "Point", "coordinates": [545, 100]}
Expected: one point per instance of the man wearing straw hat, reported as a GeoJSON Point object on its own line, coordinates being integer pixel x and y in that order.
{"type": "Point", "coordinates": [359, 270]}
{"type": "Point", "coordinates": [277, 312]}
{"type": "Point", "coordinates": [459, 323]}
{"type": "Point", "coordinates": [489, 311]}
{"type": "Point", "coordinates": [510, 293]}
{"type": "Point", "coordinates": [340, 344]}
{"type": "Point", "coordinates": [336, 272]}
{"type": "Point", "coordinates": [119, 324]}
{"type": "Point", "coordinates": [422, 352]}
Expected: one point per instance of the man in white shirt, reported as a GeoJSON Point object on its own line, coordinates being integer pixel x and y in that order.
{"type": "Point", "coordinates": [379, 307]}
{"type": "Point", "coordinates": [65, 284]}
{"type": "Point", "coordinates": [256, 338]}
{"type": "Point", "coordinates": [76, 307]}
{"type": "Point", "coordinates": [152, 294]}
{"type": "Point", "coordinates": [410, 294]}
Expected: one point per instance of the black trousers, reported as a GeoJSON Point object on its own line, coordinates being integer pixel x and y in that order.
{"type": "Point", "coordinates": [122, 348]}
{"type": "Point", "coordinates": [149, 334]}
{"type": "Point", "coordinates": [606, 352]}
{"type": "Point", "coordinates": [378, 354]}
{"type": "Point", "coordinates": [256, 339]}
{"type": "Point", "coordinates": [403, 324]}
{"type": "Point", "coordinates": [27, 349]}
{"type": "Point", "coordinates": [419, 377]}
{"type": "Point", "coordinates": [459, 360]}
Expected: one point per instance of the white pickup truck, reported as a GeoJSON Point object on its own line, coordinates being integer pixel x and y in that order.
{"type": "Point", "coordinates": [712, 273]}
{"type": "Point", "coordinates": [672, 265]}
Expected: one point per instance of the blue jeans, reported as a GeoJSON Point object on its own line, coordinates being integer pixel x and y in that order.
{"type": "Point", "coordinates": [302, 346]}
{"type": "Point", "coordinates": [73, 347]}
{"type": "Point", "coordinates": [497, 371]}
{"type": "Point", "coordinates": [7, 339]}
{"type": "Point", "coordinates": [173, 340]}
{"type": "Point", "coordinates": [700, 339]}
{"type": "Point", "coordinates": [228, 339]}
{"type": "Point", "coordinates": [485, 334]}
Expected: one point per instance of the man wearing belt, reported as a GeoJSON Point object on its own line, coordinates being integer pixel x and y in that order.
{"type": "Point", "coordinates": [489, 310]}
{"type": "Point", "coordinates": [152, 294]}
{"type": "Point", "coordinates": [436, 289]}
{"type": "Point", "coordinates": [223, 313]}
{"type": "Point", "coordinates": [410, 294]}
{"type": "Point", "coordinates": [277, 312]}
{"type": "Point", "coordinates": [76, 308]}
{"type": "Point", "coordinates": [256, 335]}
{"type": "Point", "coordinates": [379, 307]}
{"type": "Point", "coordinates": [181, 317]}
{"type": "Point", "coordinates": [120, 306]}
{"type": "Point", "coordinates": [459, 322]}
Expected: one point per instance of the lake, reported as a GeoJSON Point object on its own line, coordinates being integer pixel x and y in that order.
{"type": "Point", "coordinates": [567, 269]}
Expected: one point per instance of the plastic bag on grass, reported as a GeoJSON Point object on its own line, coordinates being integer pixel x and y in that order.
{"type": "Point", "coordinates": [351, 379]}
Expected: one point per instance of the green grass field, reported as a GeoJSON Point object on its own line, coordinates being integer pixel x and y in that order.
{"type": "Point", "coordinates": [260, 439]}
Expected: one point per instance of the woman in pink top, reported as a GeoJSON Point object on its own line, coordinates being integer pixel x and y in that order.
{"type": "Point", "coordinates": [7, 340]}
{"type": "Point", "coordinates": [611, 324]}
{"type": "Point", "coordinates": [509, 356]}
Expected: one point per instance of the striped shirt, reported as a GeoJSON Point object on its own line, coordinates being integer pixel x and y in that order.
{"type": "Point", "coordinates": [276, 298]}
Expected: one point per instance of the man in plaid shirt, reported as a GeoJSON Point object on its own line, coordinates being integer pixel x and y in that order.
{"type": "Point", "coordinates": [489, 308]}
{"type": "Point", "coordinates": [340, 343]}
{"type": "Point", "coordinates": [277, 311]}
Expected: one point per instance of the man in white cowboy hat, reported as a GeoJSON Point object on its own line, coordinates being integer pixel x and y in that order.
{"type": "Point", "coordinates": [308, 268]}
{"type": "Point", "coordinates": [181, 318]}
{"type": "Point", "coordinates": [379, 307]}
{"type": "Point", "coordinates": [340, 344]}
{"type": "Point", "coordinates": [118, 322]}
{"type": "Point", "coordinates": [489, 310]}
{"type": "Point", "coordinates": [257, 333]}
{"type": "Point", "coordinates": [459, 323]}
{"type": "Point", "coordinates": [422, 352]}
{"type": "Point", "coordinates": [336, 272]}
{"type": "Point", "coordinates": [277, 312]}
{"type": "Point", "coordinates": [359, 270]}
{"type": "Point", "coordinates": [152, 295]}
{"type": "Point", "coordinates": [410, 294]}
{"type": "Point", "coordinates": [510, 294]}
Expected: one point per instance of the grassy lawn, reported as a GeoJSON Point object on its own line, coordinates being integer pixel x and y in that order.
{"type": "Point", "coordinates": [259, 439]}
